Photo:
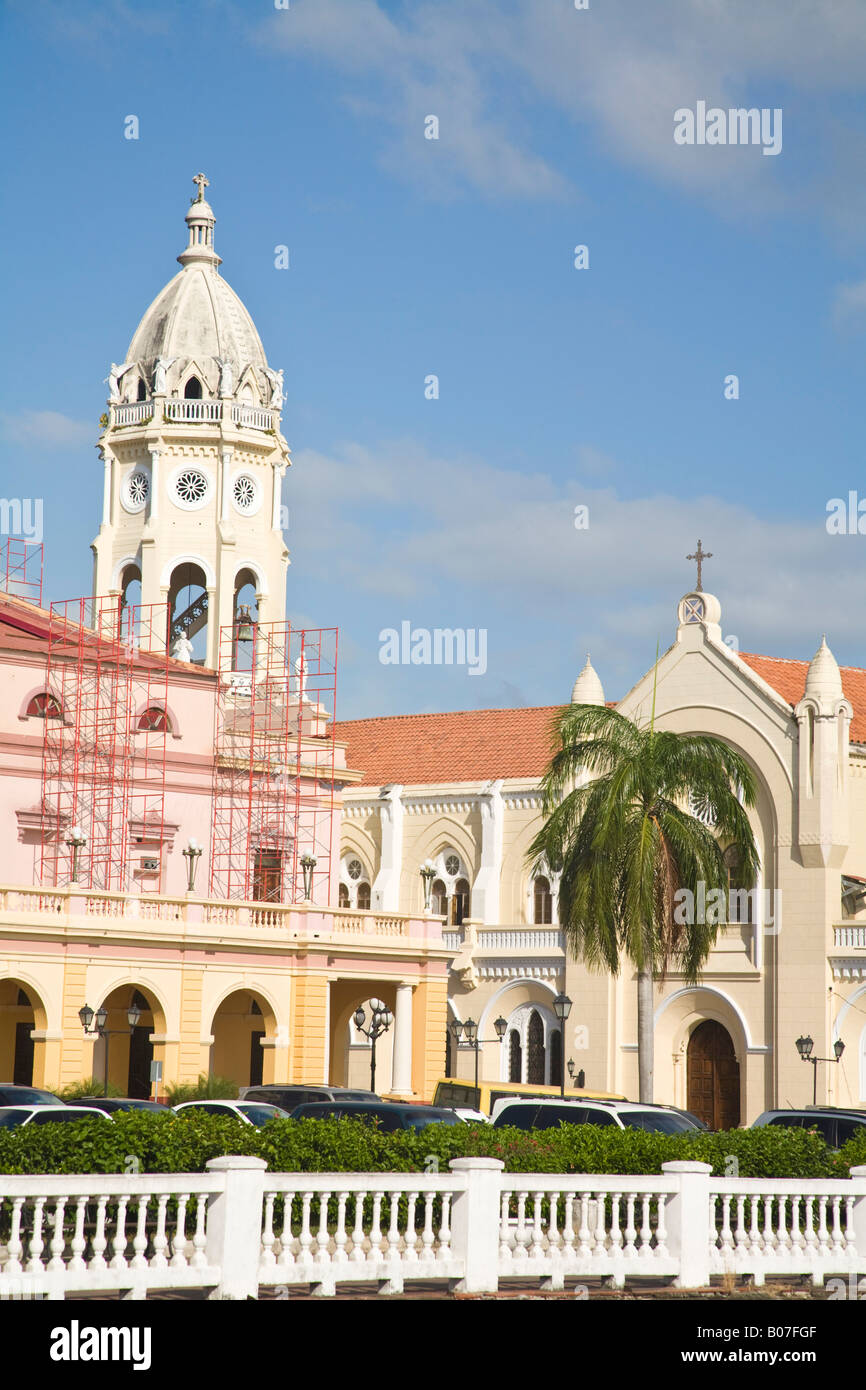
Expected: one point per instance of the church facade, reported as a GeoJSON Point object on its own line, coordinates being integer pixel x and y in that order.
{"type": "Point", "coordinates": [461, 791]}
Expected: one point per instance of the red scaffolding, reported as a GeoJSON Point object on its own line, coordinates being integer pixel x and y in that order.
{"type": "Point", "coordinates": [274, 750]}
{"type": "Point", "coordinates": [104, 667]}
{"type": "Point", "coordinates": [21, 566]}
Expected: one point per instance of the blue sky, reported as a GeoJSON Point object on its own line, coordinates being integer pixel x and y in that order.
{"type": "Point", "coordinates": [558, 387]}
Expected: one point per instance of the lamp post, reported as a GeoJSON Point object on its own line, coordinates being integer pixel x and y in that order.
{"type": "Point", "coordinates": [93, 1022]}
{"type": "Point", "coordinates": [191, 854]}
{"type": "Point", "coordinates": [469, 1031]}
{"type": "Point", "coordinates": [76, 840]}
{"type": "Point", "coordinates": [379, 1024]}
{"type": "Point", "coordinates": [308, 864]}
{"type": "Point", "coordinates": [804, 1047]}
{"type": "Point", "coordinates": [428, 873]}
{"type": "Point", "coordinates": [562, 1008]}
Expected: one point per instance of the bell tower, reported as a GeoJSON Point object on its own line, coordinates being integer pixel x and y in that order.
{"type": "Point", "coordinates": [194, 458]}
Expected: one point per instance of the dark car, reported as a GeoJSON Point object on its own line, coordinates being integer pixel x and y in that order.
{"type": "Point", "coordinates": [287, 1096]}
{"type": "Point", "coordinates": [389, 1117]}
{"type": "Point", "coordinates": [836, 1127]}
{"type": "Point", "coordinates": [109, 1105]}
{"type": "Point", "coordinates": [13, 1094]}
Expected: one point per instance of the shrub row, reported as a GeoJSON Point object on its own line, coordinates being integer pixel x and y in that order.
{"type": "Point", "coordinates": [148, 1143]}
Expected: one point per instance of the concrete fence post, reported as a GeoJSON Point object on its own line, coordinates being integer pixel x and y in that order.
{"type": "Point", "coordinates": [687, 1218]}
{"type": "Point", "coordinates": [234, 1225]}
{"type": "Point", "coordinates": [475, 1223]}
{"type": "Point", "coordinates": [858, 1182]}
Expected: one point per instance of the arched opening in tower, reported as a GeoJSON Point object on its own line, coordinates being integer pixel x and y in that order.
{"type": "Point", "coordinates": [192, 390]}
{"type": "Point", "coordinates": [130, 587]}
{"type": "Point", "coordinates": [188, 608]}
{"type": "Point", "coordinates": [245, 614]}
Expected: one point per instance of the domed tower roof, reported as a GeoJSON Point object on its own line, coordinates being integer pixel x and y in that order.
{"type": "Point", "coordinates": [197, 315]}
{"type": "Point", "coordinates": [824, 679]}
{"type": "Point", "coordinates": [588, 689]}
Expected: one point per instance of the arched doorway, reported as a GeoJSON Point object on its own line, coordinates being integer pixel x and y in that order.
{"type": "Point", "coordinates": [17, 1022]}
{"type": "Point", "coordinates": [713, 1076]}
{"type": "Point", "coordinates": [130, 1052]}
{"type": "Point", "coordinates": [240, 1026]}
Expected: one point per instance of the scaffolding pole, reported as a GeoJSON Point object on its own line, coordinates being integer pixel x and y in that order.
{"type": "Point", "coordinates": [21, 569]}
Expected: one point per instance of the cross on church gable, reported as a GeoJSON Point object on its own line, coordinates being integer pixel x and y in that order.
{"type": "Point", "coordinates": [700, 555]}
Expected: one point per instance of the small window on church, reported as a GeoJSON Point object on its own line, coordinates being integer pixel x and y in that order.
{"type": "Point", "coordinates": [142, 389]}
{"type": "Point", "coordinates": [542, 901]}
{"type": "Point", "coordinates": [460, 902]}
{"type": "Point", "coordinates": [44, 706]}
{"type": "Point", "coordinates": [192, 390]}
{"type": "Point", "coordinates": [364, 897]}
{"type": "Point", "coordinates": [439, 898]}
{"type": "Point", "coordinates": [154, 721]}
{"type": "Point", "coordinates": [344, 895]}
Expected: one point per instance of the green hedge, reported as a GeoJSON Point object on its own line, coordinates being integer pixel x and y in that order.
{"type": "Point", "coordinates": [148, 1143]}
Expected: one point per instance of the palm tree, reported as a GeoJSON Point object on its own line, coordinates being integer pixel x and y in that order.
{"type": "Point", "coordinates": [615, 826]}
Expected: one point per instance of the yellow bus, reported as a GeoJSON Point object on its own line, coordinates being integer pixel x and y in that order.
{"type": "Point", "coordinates": [484, 1096]}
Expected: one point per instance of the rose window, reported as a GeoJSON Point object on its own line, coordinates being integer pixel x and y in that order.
{"type": "Point", "coordinates": [191, 486]}
{"type": "Point", "coordinates": [452, 864]}
{"type": "Point", "coordinates": [355, 868]}
{"type": "Point", "coordinates": [138, 488]}
{"type": "Point", "coordinates": [245, 493]}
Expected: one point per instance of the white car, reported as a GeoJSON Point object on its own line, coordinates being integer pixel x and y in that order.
{"type": "Point", "coordinates": [547, 1113]}
{"type": "Point", "coordinates": [12, 1116]}
{"type": "Point", "coordinates": [249, 1112]}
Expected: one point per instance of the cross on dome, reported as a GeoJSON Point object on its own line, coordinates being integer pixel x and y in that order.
{"type": "Point", "coordinates": [203, 183]}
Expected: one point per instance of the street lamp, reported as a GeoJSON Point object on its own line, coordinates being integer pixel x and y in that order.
{"type": "Point", "coordinates": [308, 864]}
{"type": "Point", "coordinates": [191, 854]}
{"type": "Point", "coordinates": [469, 1032]}
{"type": "Point", "coordinates": [804, 1047]}
{"type": "Point", "coordinates": [562, 1008]}
{"type": "Point", "coordinates": [428, 873]}
{"type": "Point", "coordinates": [93, 1022]}
{"type": "Point", "coordinates": [379, 1024]}
{"type": "Point", "coordinates": [76, 840]}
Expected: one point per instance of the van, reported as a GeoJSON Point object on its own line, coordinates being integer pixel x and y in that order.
{"type": "Point", "coordinates": [483, 1097]}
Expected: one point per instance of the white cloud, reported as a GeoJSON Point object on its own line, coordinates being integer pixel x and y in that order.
{"type": "Point", "coordinates": [849, 307]}
{"type": "Point", "coordinates": [616, 72]}
{"type": "Point", "coordinates": [47, 428]}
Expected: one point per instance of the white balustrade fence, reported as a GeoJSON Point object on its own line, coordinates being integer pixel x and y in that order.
{"type": "Point", "coordinates": [237, 1230]}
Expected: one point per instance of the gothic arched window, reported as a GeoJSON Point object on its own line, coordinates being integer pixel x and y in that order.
{"type": "Point", "coordinates": [460, 902]}
{"type": "Point", "coordinates": [142, 389]}
{"type": "Point", "coordinates": [542, 901]}
{"type": "Point", "coordinates": [439, 898]}
{"type": "Point", "coordinates": [343, 895]}
{"type": "Point", "coordinates": [192, 390]}
{"type": "Point", "coordinates": [515, 1056]}
{"type": "Point", "coordinates": [364, 896]}
{"type": "Point", "coordinates": [535, 1050]}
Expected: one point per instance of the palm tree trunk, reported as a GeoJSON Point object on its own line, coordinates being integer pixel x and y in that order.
{"type": "Point", "coordinates": [645, 1035]}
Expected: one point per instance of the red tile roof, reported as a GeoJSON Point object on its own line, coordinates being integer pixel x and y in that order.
{"type": "Point", "coordinates": [467, 746]}
{"type": "Point", "coordinates": [788, 679]}
{"type": "Point", "coordinates": [479, 745]}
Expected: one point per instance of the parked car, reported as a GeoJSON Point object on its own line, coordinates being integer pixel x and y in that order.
{"type": "Point", "coordinates": [13, 1094]}
{"type": "Point", "coordinates": [658, 1119]}
{"type": "Point", "coordinates": [835, 1126]}
{"type": "Point", "coordinates": [388, 1115]}
{"type": "Point", "coordinates": [287, 1096]}
{"type": "Point", "coordinates": [471, 1117]}
{"type": "Point", "coordinates": [248, 1112]}
{"type": "Point", "coordinates": [110, 1105]}
{"type": "Point", "coordinates": [11, 1116]}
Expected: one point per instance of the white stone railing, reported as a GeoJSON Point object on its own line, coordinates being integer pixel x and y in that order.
{"type": "Point", "coordinates": [201, 411]}
{"type": "Point", "coordinates": [62, 906]}
{"type": "Point", "coordinates": [237, 1229]}
{"type": "Point", "coordinates": [194, 410]}
{"type": "Point", "coordinates": [132, 414]}
{"type": "Point", "coordinates": [850, 937]}
{"type": "Point", "coordinates": [519, 939]}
